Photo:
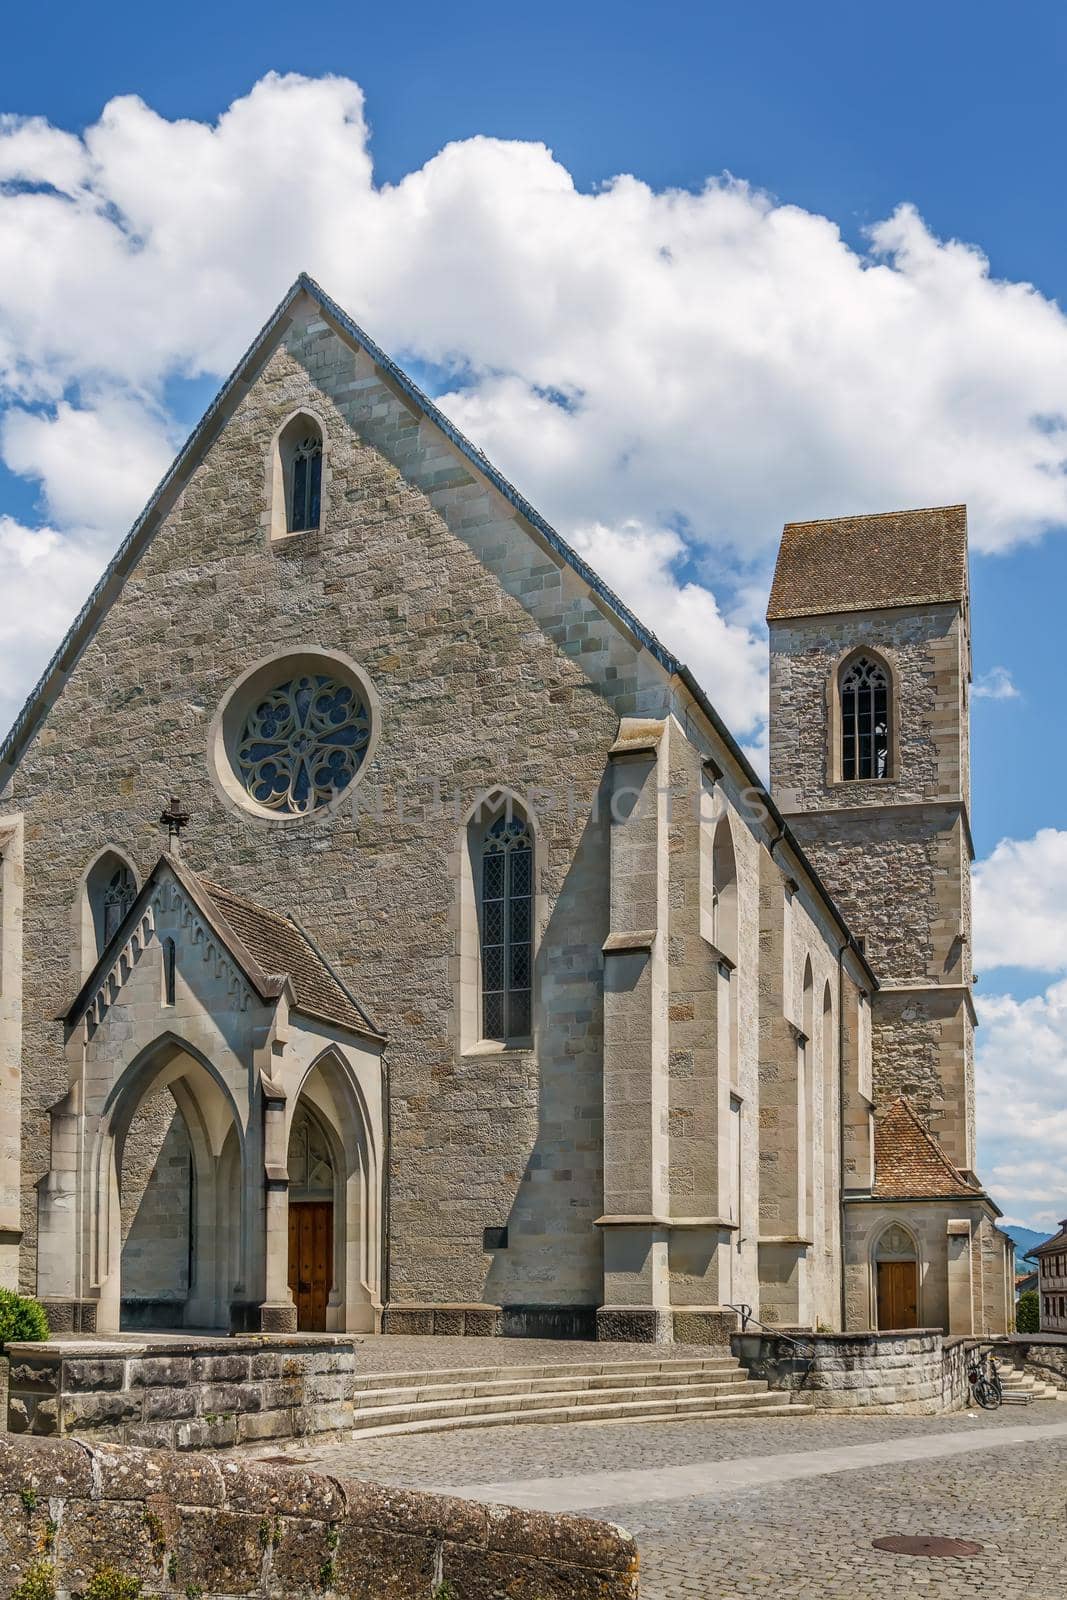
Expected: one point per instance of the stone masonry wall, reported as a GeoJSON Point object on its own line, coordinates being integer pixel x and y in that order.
{"type": "Point", "coordinates": [428, 581]}
{"type": "Point", "coordinates": [884, 1372]}
{"type": "Point", "coordinates": [923, 647]}
{"type": "Point", "coordinates": [182, 1394]}
{"type": "Point", "coordinates": [155, 1199]}
{"type": "Point", "coordinates": [70, 1513]}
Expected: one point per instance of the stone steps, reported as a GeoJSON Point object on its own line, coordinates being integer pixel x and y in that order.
{"type": "Point", "coordinates": [593, 1383]}
{"type": "Point", "coordinates": [619, 1413]}
{"type": "Point", "coordinates": [1022, 1387]}
{"type": "Point", "coordinates": [560, 1369]}
{"type": "Point", "coordinates": [634, 1391]}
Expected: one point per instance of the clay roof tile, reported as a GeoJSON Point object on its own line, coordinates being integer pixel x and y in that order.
{"type": "Point", "coordinates": [895, 558]}
{"type": "Point", "coordinates": [908, 1161]}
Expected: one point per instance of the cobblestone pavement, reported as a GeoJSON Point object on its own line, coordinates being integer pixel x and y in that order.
{"type": "Point", "coordinates": [808, 1536]}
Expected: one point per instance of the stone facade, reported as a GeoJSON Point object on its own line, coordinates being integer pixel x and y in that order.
{"type": "Point", "coordinates": [896, 853]}
{"type": "Point", "coordinates": [144, 1521]}
{"type": "Point", "coordinates": [672, 1136]}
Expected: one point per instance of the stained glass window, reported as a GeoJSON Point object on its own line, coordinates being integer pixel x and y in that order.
{"type": "Point", "coordinates": [119, 895]}
{"type": "Point", "coordinates": [306, 484]}
{"type": "Point", "coordinates": [865, 720]}
{"type": "Point", "coordinates": [302, 744]}
{"type": "Point", "coordinates": [507, 929]}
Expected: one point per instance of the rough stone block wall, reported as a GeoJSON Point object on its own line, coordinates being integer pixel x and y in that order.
{"type": "Point", "coordinates": [923, 648]}
{"type": "Point", "coordinates": [882, 1372]}
{"type": "Point", "coordinates": [427, 580]}
{"type": "Point", "coordinates": [154, 1187]}
{"type": "Point", "coordinates": [70, 1512]}
{"type": "Point", "coordinates": [182, 1394]}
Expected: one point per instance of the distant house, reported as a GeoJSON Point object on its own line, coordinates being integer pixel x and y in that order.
{"type": "Point", "coordinates": [1025, 1282]}
{"type": "Point", "coordinates": [1052, 1281]}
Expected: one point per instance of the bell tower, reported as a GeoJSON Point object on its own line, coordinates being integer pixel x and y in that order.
{"type": "Point", "coordinates": [869, 744]}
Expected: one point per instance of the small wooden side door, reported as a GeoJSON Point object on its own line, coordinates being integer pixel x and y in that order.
{"type": "Point", "coordinates": [310, 1262]}
{"type": "Point", "coordinates": [898, 1294]}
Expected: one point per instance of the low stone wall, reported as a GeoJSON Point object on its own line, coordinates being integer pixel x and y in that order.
{"type": "Point", "coordinates": [1043, 1355]}
{"type": "Point", "coordinates": [711, 1325]}
{"type": "Point", "coordinates": [449, 1321]}
{"type": "Point", "coordinates": [905, 1371]}
{"type": "Point", "coordinates": [70, 1512]}
{"type": "Point", "coordinates": [183, 1394]}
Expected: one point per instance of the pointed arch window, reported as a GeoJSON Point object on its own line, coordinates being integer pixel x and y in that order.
{"type": "Point", "coordinates": [306, 492]}
{"type": "Point", "coordinates": [296, 474]}
{"type": "Point", "coordinates": [864, 719]}
{"type": "Point", "coordinates": [506, 920]}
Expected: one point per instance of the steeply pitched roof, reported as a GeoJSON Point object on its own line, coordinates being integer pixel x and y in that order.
{"type": "Point", "coordinates": [908, 1161]}
{"type": "Point", "coordinates": [272, 951]}
{"type": "Point", "coordinates": [282, 948]}
{"type": "Point", "coordinates": [896, 558]}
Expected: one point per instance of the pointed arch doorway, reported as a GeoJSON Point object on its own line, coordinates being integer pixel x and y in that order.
{"type": "Point", "coordinates": [312, 1184]}
{"type": "Point", "coordinates": [896, 1280]}
{"type": "Point", "coordinates": [334, 1222]}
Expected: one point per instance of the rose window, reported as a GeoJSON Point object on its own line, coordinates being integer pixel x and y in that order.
{"type": "Point", "coordinates": [302, 744]}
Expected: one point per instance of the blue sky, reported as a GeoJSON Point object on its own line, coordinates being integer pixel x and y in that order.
{"type": "Point", "coordinates": [954, 110]}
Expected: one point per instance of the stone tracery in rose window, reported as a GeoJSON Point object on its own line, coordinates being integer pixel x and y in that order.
{"type": "Point", "coordinates": [302, 744]}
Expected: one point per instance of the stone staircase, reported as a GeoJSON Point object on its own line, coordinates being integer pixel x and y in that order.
{"type": "Point", "coordinates": [607, 1391]}
{"type": "Point", "coordinates": [1022, 1388]}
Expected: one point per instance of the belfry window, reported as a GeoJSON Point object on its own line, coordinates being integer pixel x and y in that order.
{"type": "Point", "coordinates": [506, 919]}
{"type": "Point", "coordinates": [864, 720]}
{"type": "Point", "coordinates": [306, 491]}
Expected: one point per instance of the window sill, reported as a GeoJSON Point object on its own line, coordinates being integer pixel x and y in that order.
{"type": "Point", "coordinates": [498, 1047]}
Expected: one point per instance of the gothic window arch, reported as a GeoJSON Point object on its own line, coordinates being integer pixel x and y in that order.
{"type": "Point", "coordinates": [505, 894]}
{"type": "Point", "coordinates": [864, 687]}
{"type": "Point", "coordinates": [724, 890]}
{"type": "Point", "coordinates": [297, 477]}
{"type": "Point", "coordinates": [109, 891]}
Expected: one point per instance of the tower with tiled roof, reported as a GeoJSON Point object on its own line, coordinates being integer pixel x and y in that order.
{"type": "Point", "coordinates": [870, 664]}
{"type": "Point", "coordinates": [869, 744]}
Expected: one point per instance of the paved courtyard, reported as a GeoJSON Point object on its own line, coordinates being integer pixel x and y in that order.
{"type": "Point", "coordinates": [784, 1507]}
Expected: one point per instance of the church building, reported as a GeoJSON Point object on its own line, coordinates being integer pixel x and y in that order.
{"type": "Point", "coordinates": [393, 936]}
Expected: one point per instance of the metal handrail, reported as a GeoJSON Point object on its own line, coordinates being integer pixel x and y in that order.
{"type": "Point", "coordinates": [745, 1313]}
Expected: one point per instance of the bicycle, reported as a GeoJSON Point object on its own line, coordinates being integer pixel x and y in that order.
{"type": "Point", "coordinates": [983, 1374]}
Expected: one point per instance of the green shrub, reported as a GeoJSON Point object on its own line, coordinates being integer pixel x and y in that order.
{"type": "Point", "coordinates": [108, 1583]}
{"type": "Point", "coordinates": [21, 1318]}
{"type": "Point", "coordinates": [38, 1584]}
{"type": "Point", "coordinates": [1028, 1313]}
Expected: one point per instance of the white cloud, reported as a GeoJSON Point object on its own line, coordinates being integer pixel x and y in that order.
{"type": "Point", "coordinates": [638, 563]}
{"type": "Point", "coordinates": [44, 579]}
{"type": "Point", "coordinates": [996, 684]}
{"type": "Point", "coordinates": [97, 465]}
{"type": "Point", "coordinates": [709, 362]}
{"type": "Point", "coordinates": [1020, 891]}
{"type": "Point", "coordinates": [1022, 1103]}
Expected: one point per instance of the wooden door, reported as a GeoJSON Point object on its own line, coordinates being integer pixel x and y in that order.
{"type": "Point", "coordinates": [898, 1294]}
{"type": "Point", "coordinates": [311, 1261]}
